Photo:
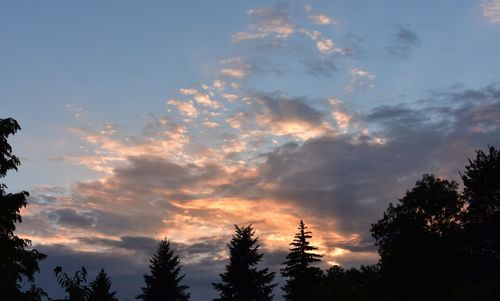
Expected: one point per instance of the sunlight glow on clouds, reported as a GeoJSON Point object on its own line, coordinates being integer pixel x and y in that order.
{"type": "Point", "coordinates": [286, 124]}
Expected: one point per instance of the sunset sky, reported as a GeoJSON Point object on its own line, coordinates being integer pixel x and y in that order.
{"type": "Point", "coordinates": [150, 119]}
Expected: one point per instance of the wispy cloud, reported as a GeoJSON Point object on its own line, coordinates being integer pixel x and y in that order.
{"type": "Point", "coordinates": [404, 41]}
{"type": "Point", "coordinates": [271, 23]}
{"type": "Point", "coordinates": [360, 78]}
{"type": "Point", "coordinates": [491, 10]}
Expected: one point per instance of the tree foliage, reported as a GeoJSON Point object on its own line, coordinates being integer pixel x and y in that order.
{"type": "Point", "coordinates": [17, 260]}
{"type": "Point", "coordinates": [76, 286]}
{"type": "Point", "coordinates": [301, 276]}
{"type": "Point", "coordinates": [100, 288]}
{"type": "Point", "coordinates": [351, 284]}
{"type": "Point", "coordinates": [164, 282]}
{"type": "Point", "coordinates": [417, 239]}
{"type": "Point", "coordinates": [242, 280]}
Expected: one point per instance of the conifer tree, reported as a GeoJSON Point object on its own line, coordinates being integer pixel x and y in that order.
{"type": "Point", "coordinates": [99, 289]}
{"type": "Point", "coordinates": [164, 282]}
{"type": "Point", "coordinates": [242, 281]}
{"type": "Point", "coordinates": [17, 261]}
{"type": "Point", "coordinates": [302, 278]}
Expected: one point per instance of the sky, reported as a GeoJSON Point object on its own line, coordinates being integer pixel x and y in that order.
{"type": "Point", "coordinates": [178, 119]}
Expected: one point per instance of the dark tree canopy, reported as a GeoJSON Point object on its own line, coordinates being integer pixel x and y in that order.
{"type": "Point", "coordinates": [350, 284]}
{"type": "Point", "coordinates": [100, 288]}
{"type": "Point", "coordinates": [17, 260]}
{"type": "Point", "coordinates": [301, 277]}
{"type": "Point", "coordinates": [481, 230]}
{"type": "Point", "coordinates": [242, 280]}
{"type": "Point", "coordinates": [417, 240]}
{"type": "Point", "coordinates": [164, 282]}
{"type": "Point", "coordinates": [76, 286]}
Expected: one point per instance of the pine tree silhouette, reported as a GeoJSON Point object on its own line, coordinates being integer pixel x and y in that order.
{"type": "Point", "coordinates": [242, 281]}
{"type": "Point", "coordinates": [99, 289]}
{"type": "Point", "coordinates": [302, 278]}
{"type": "Point", "coordinates": [164, 282]}
{"type": "Point", "coordinates": [17, 261]}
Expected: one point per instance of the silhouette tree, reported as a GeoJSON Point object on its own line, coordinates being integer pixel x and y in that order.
{"type": "Point", "coordinates": [417, 241]}
{"type": "Point", "coordinates": [17, 261]}
{"type": "Point", "coordinates": [242, 281]}
{"type": "Point", "coordinates": [351, 284]}
{"type": "Point", "coordinates": [76, 286]}
{"type": "Point", "coordinates": [481, 220]}
{"type": "Point", "coordinates": [99, 289]}
{"type": "Point", "coordinates": [301, 277]}
{"type": "Point", "coordinates": [164, 283]}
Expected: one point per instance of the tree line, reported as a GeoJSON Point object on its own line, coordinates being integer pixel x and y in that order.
{"type": "Point", "coordinates": [440, 241]}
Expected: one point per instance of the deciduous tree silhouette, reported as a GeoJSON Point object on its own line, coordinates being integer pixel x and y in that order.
{"type": "Point", "coordinates": [417, 241]}
{"type": "Point", "coordinates": [301, 277]}
{"type": "Point", "coordinates": [17, 260]}
{"type": "Point", "coordinates": [76, 286]}
{"type": "Point", "coordinates": [100, 288]}
{"type": "Point", "coordinates": [242, 280]}
{"type": "Point", "coordinates": [164, 282]}
{"type": "Point", "coordinates": [351, 284]}
{"type": "Point", "coordinates": [481, 220]}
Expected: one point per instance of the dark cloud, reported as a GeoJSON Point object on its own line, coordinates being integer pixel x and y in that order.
{"type": "Point", "coordinates": [353, 177]}
{"type": "Point", "coordinates": [71, 217]}
{"type": "Point", "coordinates": [404, 41]}
{"type": "Point", "coordinates": [284, 109]}
{"type": "Point", "coordinates": [320, 67]}
{"type": "Point", "coordinates": [269, 112]}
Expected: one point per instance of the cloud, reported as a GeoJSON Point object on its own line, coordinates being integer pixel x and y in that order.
{"type": "Point", "coordinates": [405, 41]}
{"type": "Point", "coordinates": [235, 67]}
{"type": "Point", "coordinates": [185, 107]}
{"type": "Point", "coordinates": [320, 67]}
{"type": "Point", "coordinates": [267, 23]}
{"type": "Point", "coordinates": [280, 116]}
{"type": "Point", "coordinates": [360, 78]}
{"type": "Point", "coordinates": [322, 20]}
{"type": "Point", "coordinates": [161, 137]}
{"type": "Point", "coordinates": [491, 10]}
{"type": "Point", "coordinates": [324, 45]}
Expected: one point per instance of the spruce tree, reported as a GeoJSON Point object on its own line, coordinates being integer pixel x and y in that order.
{"type": "Point", "coordinates": [17, 260]}
{"type": "Point", "coordinates": [164, 282]}
{"type": "Point", "coordinates": [301, 277]}
{"type": "Point", "coordinates": [242, 281]}
{"type": "Point", "coordinates": [99, 289]}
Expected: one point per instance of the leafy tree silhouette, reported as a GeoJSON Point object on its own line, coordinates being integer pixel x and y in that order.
{"type": "Point", "coordinates": [301, 277]}
{"type": "Point", "coordinates": [242, 281]}
{"type": "Point", "coordinates": [351, 284]}
{"type": "Point", "coordinates": [481, 220]}
{"type": "Point", "coordinates": [164, 283]}
{"type": "Point", "coordinates": [417, 241]}
{"type": "Point", "coordinates": [17, 261]}
{"type": "Point", "coordinates": [99, 289]}
{"type": "Point", "coordinates": [76, 286]}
